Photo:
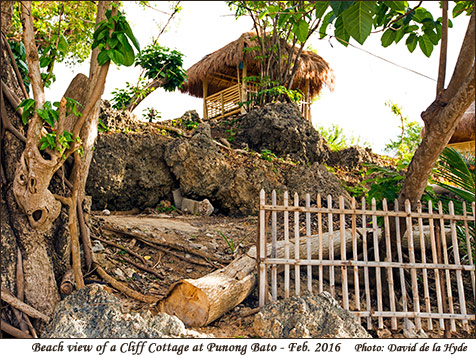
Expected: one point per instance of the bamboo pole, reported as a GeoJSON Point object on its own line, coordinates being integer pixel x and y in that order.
{"type": "Point", "coordinates": [319, 224]}
{"type": "Point", "coordinates": [262, 250]}
{"type": "Point", "coordinates": [286, 246]}
{"type": "Point", "coordinates": [354, 257]}
{"type": "Point", "coordinates": [377, 258]}
{"type": "Point", "coordinates": [330, 225]}
{"type": "Point", "coordinates": [308, 243]}
{"type": "Point", "coordinates": [388, 246]}
{"type": "Point", "coordinates": [413, 273]}
{"type": "Point", "coordinates": [425, 273]}
{"type": "Point", "coordinates": [205, 94]}
{"type": "Point", "coordinates": [297, 271]}
{"type": "Point", "coordinates": [274, 269]}
{"type": "Point", "coordinates": [459, 276]}
{"type": "Point", "coordinates": [449, 293]}
{"type": "Point", "coordinates": [434, 255]}
{"type": "Point", "coordinates": [345, 292]}
{"type": "Point", "coordinates": [468, 247]}
{"type": "Point", "coordinates": [368, 301]}
{"type": "Point", "coordinates": [400, 259]}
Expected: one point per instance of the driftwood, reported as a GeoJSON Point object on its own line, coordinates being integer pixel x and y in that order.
{"type": "Point", "coordinates": [198, 302]}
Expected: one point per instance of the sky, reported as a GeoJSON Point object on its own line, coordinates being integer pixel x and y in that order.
{"type": "Point", "coordinates": [364, 83]}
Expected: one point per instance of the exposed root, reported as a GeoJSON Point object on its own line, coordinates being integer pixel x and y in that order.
{"type": "Point", "coordinates": [22, 306]}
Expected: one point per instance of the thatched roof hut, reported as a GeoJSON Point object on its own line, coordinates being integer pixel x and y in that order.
{"type": "Point", "coordinates": [463, 138]}
{"type": "Point", "coordinates": [227, 66]}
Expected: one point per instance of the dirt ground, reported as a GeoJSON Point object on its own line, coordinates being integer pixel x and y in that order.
{"type": "Point", "coordinates": [172, 246]}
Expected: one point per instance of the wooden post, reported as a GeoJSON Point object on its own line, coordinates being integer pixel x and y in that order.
{"type": "Point", "coordinates": [330, 225]}
{"type": "Point", "coordinates": [345, 293]}
{"type": "Point", "coordinates": [388, 246]}
{"type": "Point", "coordinates": [205, 94]}
{"type": "Point", "coordinates": [274, 268]}
{"type": "Point", "coordinates": [262, 251]}
{"type": "Point", "coordinates": [355, 258]}
{"type": "Point", "coordinates": [308, 243]}
{"type": "Point", "coordinates": [307, 105]}
{"type": "Point", "coordinates": [403, 286]}
{"type": "Point", "coordinates": [319, 224]}
{"type": "Point", "coordinates": [368, 301]}
{"type": "Point", "coordinates": [459, 276]}
{"type": "Point", "coordinates": [286, 245]}
{"type": "Point", "coordinates": [244, 96]}
{"type": "Point", "coordinates": [297, 268]}
{"type": "Point", "coordinates": [377, 259]}
{"type": "Point", "coordinates": [468, 247]}
{"type": "Point", "coordinates": [425, 273]}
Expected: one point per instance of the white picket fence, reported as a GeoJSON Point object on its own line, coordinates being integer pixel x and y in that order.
{"type": "Point", "coordinates": [429, 257]}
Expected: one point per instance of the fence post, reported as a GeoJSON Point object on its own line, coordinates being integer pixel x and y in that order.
{"type": "Point", "coordinates": [261, 254]}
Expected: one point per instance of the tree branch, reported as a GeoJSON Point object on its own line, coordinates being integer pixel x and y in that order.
{"type": "Point", "coordinates": [440, 85]}
{"type": "Point", "coordinates": [464, 63]}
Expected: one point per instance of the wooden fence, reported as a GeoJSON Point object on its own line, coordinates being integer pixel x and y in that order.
{"type": "Point", "coordinates": [336, 248]}
{"type": "Point", "coordinates": [223, 103]}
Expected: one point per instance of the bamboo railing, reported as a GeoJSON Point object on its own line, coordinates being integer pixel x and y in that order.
{"type": "Point", "coordinates": [223, 103]}
{"type": "Point", "coordinates": [428, 258]}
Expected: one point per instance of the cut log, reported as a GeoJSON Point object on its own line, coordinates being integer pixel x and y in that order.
{"type": "Point", "coordinates": [198, 302]}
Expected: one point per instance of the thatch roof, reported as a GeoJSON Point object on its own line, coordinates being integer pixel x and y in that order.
{"type": "Point", "coordinates": [465, 129]}
{"type": "Point", "coordinates": [224, 62]}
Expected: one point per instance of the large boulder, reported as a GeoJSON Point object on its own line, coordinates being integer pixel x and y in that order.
{"type": "Point", "coordinates": [129, 171]}
{"type": "Point", "coordinates": [307, 316]}
{"type": "Point", "coordinates": [94, 313]}
{"type": "Point", "coordinates": [281, 129]}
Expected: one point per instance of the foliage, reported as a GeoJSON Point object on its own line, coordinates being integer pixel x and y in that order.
{"type": "Point", "coordinates": [337, 140]}
{"type": "Point", "coordinates": [112, 37]}
{"type": "Point", "coordinates": [161, 67]}
{"type": "Point", "coordinates": [122, 97]}
{"type": "Point", "coordinates": [161, 62]}
{"type": "Point", "coordinates": [458, 173]}
{"type": "Point", "coordinates": [268, 155]}
{"type": "Point", "coordinates": [405, 145]}
{"type": "Point", "coordinates": [19, 54]}
{"type": "Point", "coordinates": [50, 114]}
{"type": "Point", "coordinates": [151, 115]}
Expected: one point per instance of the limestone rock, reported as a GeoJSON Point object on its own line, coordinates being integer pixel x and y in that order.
{"type": "Point", "coordinates": [94, 313]}
{"type": "Point", "coordinates": [281, 129]}
{"type": "Point", "coordinates": [307, 316]}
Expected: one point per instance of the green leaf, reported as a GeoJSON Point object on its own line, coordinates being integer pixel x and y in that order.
{"type": "Point", "coordinates": [388, 37]}
{"type": "Point", "coordinates": [358, 20]}
{"type": "Point", "coordinates": [411, 42]}
{"type": "Point", "coordinates": [398, 6]}
{"type": "Point", "coordinates": [28, 106]}
{"type": "Point", "coordinates": [321, 7]}
{"type": "Point", "coordinates": [103, 57]}
{"type": "Point", "coordinates": [338, 7]}
{"type": "Point", "coordinates": [301, 30]}
{"type": "Point", "coordinates": [426, 46]}
{"type": "Point", "coordinates": [63, 44]}
{"type": "Point", "coordinates": [112, 42]}
{"type": "Point", "coordinates": [128, 32]}
{"type": "Point", "coordinates": [325, 24]}
{"type": "Point", "coordinates": [45, 61]}
{"type": "Point", "coordinates": [341, 34]}
{"type": "Point", "coordinates": [433, 36]}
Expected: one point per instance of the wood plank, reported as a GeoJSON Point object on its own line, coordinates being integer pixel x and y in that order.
{"type": "Point", "coordinates": [274, 234]}
{"type": "Point", "coordinates": [355, 257]}
{"type": "Point", "coordinates": [424, 271]}
{"type": "Point", "coordinates": [345, 292]}
{"type": "Point", "coordinates": [319, 226]}
{"type": "Point", "coordinates": [330, 225]}
{"type": "Point", "coordinates": [261, 251]}
{"type": "Point", "coordinates": [308, 243]}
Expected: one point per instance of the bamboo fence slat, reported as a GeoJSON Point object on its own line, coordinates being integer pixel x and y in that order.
{"type": "Point", "coordinates": [368, 299]}
{"type": "Point", "coordinates": [330, 224]}
{"type": "Point", "coordinates": [319, 223]}
{"type": "Point", "coordinates": [425, 273]}
{"type": "Point", "coordinates": [297, 269]}
{"type": "Point", "coordinates": [468, 248]}
{"type": "Point", "coordinates": [345, 293]}
{"type": "Point", "coordinates": [262, 251]}
{"type": "Point", "coordinates": [308, 243]}
{"type": "Point", "coordinates": [434, 254]}
{"type": "Point", "coordinates": [377, 258]}
{"type": "Point", "coordinates": [459, 276]}
{"type": "Point", "coordinates": [355, 257]}
{"type": "Point", "coordinates": [446, 261]}
{"type": "Point", "coordinates": [388, 252]}
{"type": "Point", "coordinates": [274, 268]}
{"type": "Point", "coordinates": [286, 246]}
